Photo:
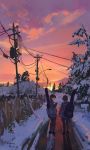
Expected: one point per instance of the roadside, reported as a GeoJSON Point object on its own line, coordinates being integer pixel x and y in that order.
{"type": "Point", "coordinates": [23, 131]}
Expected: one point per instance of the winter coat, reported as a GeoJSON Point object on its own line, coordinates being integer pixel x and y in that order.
{"type": "Point", "coordinates": [51, 106]}
{"type": "Point", "coordinates": [62, 110]}
{"type": "Point", "coordinates": [51, 110]}
{"type": "Point", "coordinates": [67, 108]}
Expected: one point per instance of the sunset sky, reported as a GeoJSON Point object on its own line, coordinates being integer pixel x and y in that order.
{"type": "Point", "coordinates": [46, 26]}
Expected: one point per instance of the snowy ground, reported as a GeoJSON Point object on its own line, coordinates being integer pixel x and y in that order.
{"type": "Point", "coordinates": [82, 127]}
{"type": "Point", "coordinates": [81, 122]}
{"type": "Point", "coordinates": [14, 141]}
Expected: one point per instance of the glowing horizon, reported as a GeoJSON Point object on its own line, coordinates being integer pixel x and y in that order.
{"type": "Point", "coordinates": [46, 26]}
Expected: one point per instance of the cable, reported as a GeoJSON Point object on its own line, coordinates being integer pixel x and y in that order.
{"type": "Point", "coordinates": [50, 54]}
{"type": "Point", "coordinates": [43, 70]}
{"type": "Point", "coordinates": [26, 68]}
{"type": "Point", "coordinates": [25, 64]}
{"type": "Point", "coordinates": [5, 55]}
{"type": "Point", "coordinates": [51, 61]}
{"type": "Point", "coordinates": [46, 59]}
{"type": "Point", "coordinates": [44, 73]}
{"type": "Point", "coordinates": [58, 70]}
{"type": "Point", "coordinates": [61, 71]}
{"type": "Point", "coordinates": [55, 63]}
{"type": "Point", "coordinates": [52, 66]}
{"type": "Point", "coordinates": [2, 33]}
{"type": "Point", "coordinates": [11, 60]}
{"type": "Point", "coordinates": [31, 54]}
{"type": "Point", "coordinates": [6, 32]}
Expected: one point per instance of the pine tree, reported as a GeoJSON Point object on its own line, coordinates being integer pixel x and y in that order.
{"type": "Point", "coordinates": [25, 76]}
{"type": "Point", "coordinates": [80, 68]}
{"type": "Point", "coordinates": [60, 87]}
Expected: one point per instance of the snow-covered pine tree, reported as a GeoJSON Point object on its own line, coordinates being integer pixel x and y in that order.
{"type": "Point", "coordinates": [80, 68]}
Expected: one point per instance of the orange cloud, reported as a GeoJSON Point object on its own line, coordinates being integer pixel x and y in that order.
{"type": "Point", "coordinates": [35, 33]}
{"type": "Point", "coordinates": [48, 18]}
{"type": "Point", "coordinates": [73, 16]}
{"type": "Point", "coordinates": [63, 17]}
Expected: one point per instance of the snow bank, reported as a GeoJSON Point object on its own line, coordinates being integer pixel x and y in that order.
{"type": "Point", "coordinates": [82, 125]}
{"type": "Point", "coordinates": [28, 87]}
{"type": "Point", "coordinates": [14, 140]}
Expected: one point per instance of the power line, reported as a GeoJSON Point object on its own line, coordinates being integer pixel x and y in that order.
{"type": "Point", "coordinates": [5, 31]}
{"type": "Point", "coordinates": [26, 64]}
{"type": "Point", "coordinates": [44, 73]}
{"type": "Point", "coordinates": [50, 54]}
{"type": "Point", "coordinates": [31, 54]}
{"type": "Point", "coordinates": [43, 70]}
{"type": "Point", "coordinates": [60, 71]}
{"type": "Point", "coordinates": [55, 62]}
{"type": "Point", "coordinates": [52, 66]}
{"type": "Point", "coordinates": [6, 56]}
{"type": "Point", "coordinates": [2, 33]}
{"type": "Point", "coordinates": [57, 70]}
{"type": "Point", "coordinates": [26, 68]}
{"type": "Point", "coordinates": [45, 58]}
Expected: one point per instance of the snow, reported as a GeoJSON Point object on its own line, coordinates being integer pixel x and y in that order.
{"type": "Point", "coordinates": [14, 140]}
{"type": "Point", "coordinates": [82, 124]}
{"type": "Point", "coordinates": [4, 90]}
{"type": "Point", "coordinates": [35, 142]}
{"type": "Point", "coordinates": [25, 130]}
{"type": "Point", "coordinates": [25, 87]}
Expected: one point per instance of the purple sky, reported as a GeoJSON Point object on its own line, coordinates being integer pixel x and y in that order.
{"type": "Point", "coordinates": [45, 25]}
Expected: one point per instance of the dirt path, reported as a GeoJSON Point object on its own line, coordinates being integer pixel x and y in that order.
{"type": "Point", "coordinates": [58, 136]}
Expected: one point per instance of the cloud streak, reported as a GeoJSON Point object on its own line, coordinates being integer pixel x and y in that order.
{"type": "Point", "coordinates": [64, 17]}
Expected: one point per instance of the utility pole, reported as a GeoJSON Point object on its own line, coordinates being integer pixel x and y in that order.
{"type": "Point", "coordinates": [15, 35]}
{"type": "Point", "coordinates": [37, 70]}
{"type": "Point", "coordinates": [14, 50]}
